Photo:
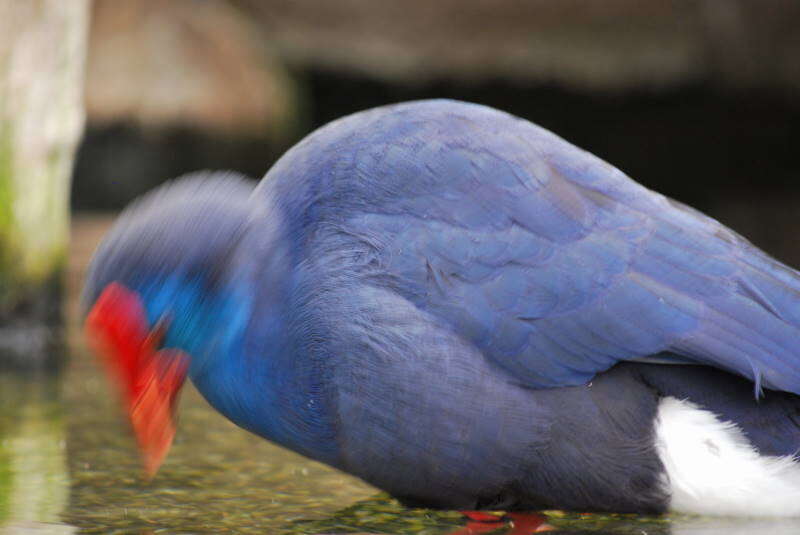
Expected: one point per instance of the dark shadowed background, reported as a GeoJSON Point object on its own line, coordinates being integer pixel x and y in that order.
{"type": "Point", "coordinates": [697, 99]}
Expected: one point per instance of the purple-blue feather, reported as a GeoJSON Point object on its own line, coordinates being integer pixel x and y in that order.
{"type": "Point", "coordinates": [550, 261]}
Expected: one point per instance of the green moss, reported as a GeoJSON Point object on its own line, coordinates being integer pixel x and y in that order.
{"type": "Point", "coordinates": [7, 274]}
{"type": "Point", "coordinates": [6, 167]}
{"type": "Point", "coordinates": [59, 165]}
{"type": "Point", "coordinates": [25, 270]}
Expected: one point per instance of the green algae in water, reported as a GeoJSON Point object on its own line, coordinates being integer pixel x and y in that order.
{"type": "Point", "coordinates": [381, 514]}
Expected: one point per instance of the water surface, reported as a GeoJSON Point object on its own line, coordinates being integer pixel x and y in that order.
{"type": "Point", "coordinates": [68, 465]}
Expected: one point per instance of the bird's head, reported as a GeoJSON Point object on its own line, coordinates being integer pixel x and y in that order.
{"type": "Point", "coordinates": [154, 293]}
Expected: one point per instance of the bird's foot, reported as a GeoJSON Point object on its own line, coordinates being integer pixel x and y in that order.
{"type": "Point", "coordinates": [479, 522]}
{"type": "Point", "coordinates": [524, 523]}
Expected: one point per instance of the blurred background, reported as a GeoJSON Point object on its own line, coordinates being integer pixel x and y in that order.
{"type": "Point", "coordinates": [699, 99]}
{"type": "Point", "coordinates": [102, 100]}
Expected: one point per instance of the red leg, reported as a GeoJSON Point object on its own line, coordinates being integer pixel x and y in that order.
{"type": "Point", "coordinates": [483, 516]}
{"type": "Point", "coordinates": [479, 522]}
{"type": "Point", "coordinates": [527, 523]}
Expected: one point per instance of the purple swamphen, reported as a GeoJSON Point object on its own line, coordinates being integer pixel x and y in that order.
{"type": "Point", "coordinates": [468, 312]}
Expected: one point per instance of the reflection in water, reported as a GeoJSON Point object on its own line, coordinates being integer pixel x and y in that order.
{"type": "Point", "coordinates": [735, 526]}
{"type": "Point", "coordinates": [34, 486]}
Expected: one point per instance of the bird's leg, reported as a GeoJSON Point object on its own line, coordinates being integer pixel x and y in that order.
{"type": "Point", "coordinates": [525, 523]}
{"type": "Point", "coordinates": [483, 517]}
{"type": "Point", "coordinates": [479, 522]}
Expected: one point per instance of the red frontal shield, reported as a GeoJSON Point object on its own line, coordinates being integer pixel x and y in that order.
{"type": "Point", "coordinates": [149, 379]}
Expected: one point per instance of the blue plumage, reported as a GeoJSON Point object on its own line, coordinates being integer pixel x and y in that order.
{"type": "Point", "coordinates": [430, 296]}
{"type": "Point", "coordinates": [551, 261]}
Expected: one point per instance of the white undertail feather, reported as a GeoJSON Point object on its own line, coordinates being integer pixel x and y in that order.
{"type": "Point", "coordinates": [712, 469]}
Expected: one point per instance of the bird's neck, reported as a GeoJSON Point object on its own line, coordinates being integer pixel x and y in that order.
{"type": "Point", "coordinates": [243, 358]}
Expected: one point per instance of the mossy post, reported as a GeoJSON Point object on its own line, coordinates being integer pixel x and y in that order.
{"type": "Point", "coordinates": [42, 56]}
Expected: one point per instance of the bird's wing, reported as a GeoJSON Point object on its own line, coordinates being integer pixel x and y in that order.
{"type": "Point", "coordinates": [559, 266]}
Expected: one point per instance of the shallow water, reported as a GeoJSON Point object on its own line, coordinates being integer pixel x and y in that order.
{"type": "Point", "coordinates": [68, 465]}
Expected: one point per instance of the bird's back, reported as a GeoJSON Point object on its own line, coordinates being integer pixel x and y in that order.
{"type": "Point", "coordinates": [553, 263]}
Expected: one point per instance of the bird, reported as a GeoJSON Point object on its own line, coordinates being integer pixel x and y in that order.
{"type": "Point", "coordinates": [466, 311]}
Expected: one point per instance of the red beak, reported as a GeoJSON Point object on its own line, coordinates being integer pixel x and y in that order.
{"type": "Point", "coordinates": [150, 380]}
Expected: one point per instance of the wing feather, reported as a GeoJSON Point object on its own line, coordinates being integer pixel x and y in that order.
{"type": "Point", "coordinates": [552, 262]}
{"type": "Point", "coordinates": [557, 266]}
